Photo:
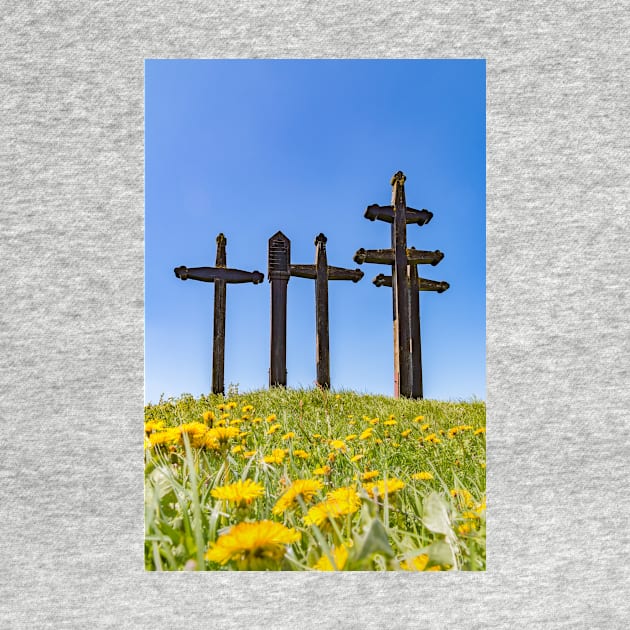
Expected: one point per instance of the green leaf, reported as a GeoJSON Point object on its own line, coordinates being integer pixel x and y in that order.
{"type": "Point", "coordinates": [440, 552]}
{"type": "Point", "coordinates": [435, 515]}
{"type": "Point", "coordinates": [373, 541]}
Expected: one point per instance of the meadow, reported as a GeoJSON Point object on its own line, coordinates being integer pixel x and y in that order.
{"type": "Point", "coordinates": [287, 479]}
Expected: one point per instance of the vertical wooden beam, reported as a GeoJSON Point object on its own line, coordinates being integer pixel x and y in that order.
{"type": "Point", "coordinates": [218, 345]}
{"type": "Point", "coordinates": [400, 282]}
{"type": "Point", "coordinates": [322, 347]}
{"type": "Point", "coordinates": [279, 260]}
{"type": "Point", "coordinates": [416, 352]}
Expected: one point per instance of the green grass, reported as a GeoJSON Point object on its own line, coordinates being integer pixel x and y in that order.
{"type": "Point", "coordinates": [428, 524]}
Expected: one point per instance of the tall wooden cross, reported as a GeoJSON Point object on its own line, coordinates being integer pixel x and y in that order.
{"type": "Point", "coordinates": [220, 276]}
{"type": "Point", "coordinates": [407, 374]}
{"type": "Point", "coordinates": [278, 274]}
{"type": "Point", "coordinates": [321, 272]}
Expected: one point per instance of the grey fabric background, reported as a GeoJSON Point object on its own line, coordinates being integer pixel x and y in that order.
{"type": "Point", "coordinates": [71, 370]}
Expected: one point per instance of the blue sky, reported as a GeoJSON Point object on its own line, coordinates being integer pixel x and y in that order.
{"type": "Point", "coordinates": [250, 147]}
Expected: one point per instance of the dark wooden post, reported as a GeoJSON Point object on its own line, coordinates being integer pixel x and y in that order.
{"type": "Point", "coordinates": [416, 285]}
{"type": "Point", "coordinates": [279, 261]}
{"type": "Point", "coordinates": [220, 276]}
{"type": "Point", "coordinates": [218, 342]}
{"type": "Point", "coordinates": [322, 273]}
{"type": "Point", "coordinates": [404, 279]}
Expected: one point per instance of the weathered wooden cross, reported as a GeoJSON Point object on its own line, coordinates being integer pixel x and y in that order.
{"type": "Point", "coordinates": [220, 276]}
{"type": "Point", "coordinates": [321, 272]}
{"type": "Point", "coordinates": [278, 274]}
{"type": "Point", "coordinates": [405, 285]}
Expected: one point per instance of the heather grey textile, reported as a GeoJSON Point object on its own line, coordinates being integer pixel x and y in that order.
{"type": "Point", "coordinates": [71, 169]}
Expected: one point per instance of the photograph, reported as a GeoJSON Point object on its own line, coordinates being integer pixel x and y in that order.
{"type": "Point", "coordinates": [315, 315]}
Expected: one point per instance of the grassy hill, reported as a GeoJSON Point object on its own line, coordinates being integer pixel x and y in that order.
{"type": "Point", "coordinates": [288, 479]}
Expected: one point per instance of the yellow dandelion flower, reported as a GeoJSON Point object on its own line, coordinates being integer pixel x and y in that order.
{"type": "Point", "coordinates": [331, 457]}
{"type": "Point", "coordinates": [337, 396]}
{"type": "Point", "coordinates": [221, 407]}
{"type": "Point", "coordinates": [322, 470]}
{"type": "Point", "coordinates": [306, 488]}
{"type": "Point", "coordinates": [463, 497]}
{"type": "Point", "coordinates": [374, 421]}
{"type": "Point", "coordinates": [357, 457]}
{"type": "Point", "coordinates": [481, 507]}
{"type": "Point", "coordinates": [249, 454]}
{"type": "Point", "coordinates": [432, 439]}
{"type": "Point", "coordinates": [237, 449]}
{"type": "Point", "coordinates": [276, 457]}
{"type": "Point", "coordinates": [257, 420]}
{"type": "Point", "coordinates": [425, 427]}
{"type": "Point", "coordinates": [370, 474]}
{"type": "Point", "coordinates": [380, 488]}
{"type": "Point", "coordinates": [231, 405]}
{"type": "Point", "coordinates": [418, 419]}
{"type": "Point", "coordinates": [351, 437]}
{"type": "Point", "coordinates": [480, 431]}
{"type": "Point", "coordinates": [153, 425]}
{"type": "Point", "coordinates": [241, 492]}
{"type": "Point", "coordinates": [405, 433]}
{"type": "Point", "coordinates": [164, 437]}
{"type": "Point", "coordinates": [271, 418]}
{"type": "Point", "coordinates": [366, 434]}
{"type": "Point", "coordinates": [419, 563]}
{"type": "Point", "coordinates": [236, 422]}
{"type": "Point", "coordinates": [340, 556]}
{"type": "Point", "coordinates": [272, 429]}
{"type": "Point", "coordinates": [288, 436]}
{"type": "Point", "coordinates": [247, 409]}
{"type": "Point", "coordinates": [208, 416]}
{"type": "Point", "coordinates": [390, 423]}
{"type": "Point", "coordinates": [317, 435]}
{"type": "Point", "coordinates": [338, 503]}
{"type": "Point", "coordinates": [219, 437]}
{"type": "Point", "coordinates": [253, 546]}
{"type": "Point", "coordinates": [464, 529]}
{"type": "Point", "coordinates": [338, 445]}
{"type": "Point", "coordinates": [378, 441]}
{"type": "Point", "coordinates": [193, 429]}
{"type": "Point", "coordinates": [347, 498]}
{"type": "Point", "coordinates": [422, 476]}
{"type": "Point", "coordinates": [301, 453]}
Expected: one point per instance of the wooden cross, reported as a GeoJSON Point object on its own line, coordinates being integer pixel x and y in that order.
{"type": "Point", "coordinates": [321, 272]}
{"type": "Point", "coordinates": [278, 274]}
{"type": "Point", "coordinates": [407, 361]}
{"type": "Point", "coordinates": [220, 276]}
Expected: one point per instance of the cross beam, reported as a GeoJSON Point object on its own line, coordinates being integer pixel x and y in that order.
{"type": "Point", "coordinates": [386, 256]}
{"type": "Point", "coordinates": [220, 276]}
{"type": "Point", "coordinates": [388, 213]}
{"type": "Point", "coordinates": [422, 284]}
{"type": "Point", "coordinates": [321, 272]}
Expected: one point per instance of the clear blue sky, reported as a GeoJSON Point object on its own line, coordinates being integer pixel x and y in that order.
{"type": "Point", "coordinates": [249, 147]}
